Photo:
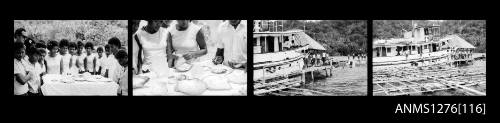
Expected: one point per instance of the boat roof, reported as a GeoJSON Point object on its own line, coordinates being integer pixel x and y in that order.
{"type": "Point", "coordinates": [300, 36]}
{"type": "Point", "coordinates": [458, 42]}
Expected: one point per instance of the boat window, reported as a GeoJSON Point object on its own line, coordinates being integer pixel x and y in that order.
{"type": "Point", "coordinates": [255, 43]}
{"type": "Point", "coordinates": [263, 44]}
{"type": "Point", "coordinates": [270, 44]}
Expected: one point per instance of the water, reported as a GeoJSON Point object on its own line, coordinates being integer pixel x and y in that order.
{"type": "Point", "coordinates": [344, 82]}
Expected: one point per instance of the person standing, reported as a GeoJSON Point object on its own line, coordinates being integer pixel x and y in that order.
{"type": "Point", "coordinates": [231, 44]}
{"type": "Point", "coordinates": [53, 59]}
{"type": "Point", "coordinates": [21, 75]}
{"type": "Point", "coordinates": [187, 40]}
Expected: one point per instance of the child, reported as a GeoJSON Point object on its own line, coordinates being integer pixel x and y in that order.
{"type": "Point", "coordinates": [80, 57]}
{"type": "Point", "coordinates": [72, 64]}
{"type": "Point", "coordinates": [41, 45]}
{"type": "Point", "coordinates": [34, 67]}
{"type": "Point", "coordinates": [66, 57]}
{"type": "Point", "coordinates": [53, 59]}
{"type": "Point", "coordinates": [121, 76]}
{"type": "Point", "coordinates": [21, 75]}
{"type": "Point", "coordinates": [90, 60]}
{"type": "Point", "coordinates": [106, 61]}
{"type": "Point", "coordinates": [101, 61]}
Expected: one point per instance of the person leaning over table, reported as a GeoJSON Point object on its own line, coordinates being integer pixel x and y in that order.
{"type": "Point", "coordinates": [21, 75]}
{"type": "Point", "coordinates": [231, 44]}
{"type": "Point", "coordinates": [187, 39]}
{"type": "Point", "coordinates": [114, 45]}
{"type": "Point", "coordinates": [121, 76]}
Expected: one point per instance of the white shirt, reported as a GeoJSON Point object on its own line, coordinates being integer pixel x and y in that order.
{"type": "Point", "coordinates": [121, 78]}
{"type": "Point", "coordinates": [90, 62]}
{"type": "Point", "coordinates": [20, 68]}
{"type": "Point", "coordinates": [80, 61]}
{"type": "Point", "coordinates": [234, 41]}
{"type": "Point", "coordinates": [54, 64]}
{"type": "Point", "coordinates": [100, 63]}
{"type": "Point", "coordinates": [113, 67]}
{"type": "Point", "coordinates": [35, 82]}
{"type": "Point", "coordinates": [66, 59]}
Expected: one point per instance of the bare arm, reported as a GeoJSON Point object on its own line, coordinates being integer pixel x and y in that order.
{"type": "Point", "coordinates": [61, 66]}
{"type": "Point", "coordinates": [170, 50]}
{"type": "Point", "coordinates": [21, 78]}
{"type": "Point", "coordinates": [139, 54]}
{"type": "Point", "coordinates": [70, 61]}
{"type": "Point", "coordinates": [85, 64]}
{"type": "Point", "coordinates": [95, 61]}
{"type": "Point", "coordinates": [200, 39]}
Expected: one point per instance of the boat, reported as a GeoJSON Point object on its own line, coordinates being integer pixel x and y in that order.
{"type": "Point", "coordinates": [423, 45]}
{"type": "Point", "coordinates": [278, 56]}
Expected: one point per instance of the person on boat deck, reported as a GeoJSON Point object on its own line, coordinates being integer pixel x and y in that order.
{"type": "Point", "coordinates": [324, 57]}
{"type": "Point", "coordinates": [34, 67]}
{"type": "Point", "coordinates": [90, 60]}
{"type": "Point", "coordinates": [114, 66]}
{"type": "Point", "coordinates": [231, 44]}
{"type": "Point", "coordinates": [53, 59]}
{"type": "Point", "coordinates": [66, 57]}
{"type": "Point", "coordinates": [121, 76]}
{"type": "Point", "coordinates": [287, 45]}
{"type": "Point", "coordinates": [21, 75]}
{"type": "Point", "coordinates": [185, 39]}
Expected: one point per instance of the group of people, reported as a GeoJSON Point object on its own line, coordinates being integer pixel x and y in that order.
{"type": "Point", "coordinates": [34, 59]}
{"type": "Point", "coordinates": [184, 42]}
{"type": "Point", "coordinates": [316, 59]}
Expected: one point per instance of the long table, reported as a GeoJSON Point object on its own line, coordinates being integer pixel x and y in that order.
{"type": "Point", "coordinates": [53, 85]}
{"type": "Point", "coordinates": [165, 85]}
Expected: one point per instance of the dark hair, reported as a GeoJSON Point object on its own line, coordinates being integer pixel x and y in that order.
{"type": "Point", "coordinates": [72, 44]}
{"type": "Point", "coordinates": [52, 44]}
{"type": "Point", "coordinates": [33, 51]}
{"type": "Point", "coordinates": [79, 44]}
{"type": "Point", "coordinates": [107, 46]}
{"type": "Point", "coordinates": [29, 43]}
{"type": "Point", "coordinates": [114, 41]}
{"type": "Point", "coordinates": [18, 45]}
{"type": "Point", "coordinates": [64, 43]}
{"type": "Point", "coordinates": [19, 32]}
{"type": "Point", "coordinates": [99, 49]}
{"type": "Point", "coordinates": [89, 44]}
{"type": "Point", "coordinates": [41, 50]}
{"type": "Point", "coordinates": [40, 44]}
{"type": "Point", "coordinates": [121, 54]}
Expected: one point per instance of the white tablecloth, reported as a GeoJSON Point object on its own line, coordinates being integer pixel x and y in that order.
{"type": "Point", "coordinates": [164, 86]}
{"type": "Point", "coordinates": [53, 86]}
